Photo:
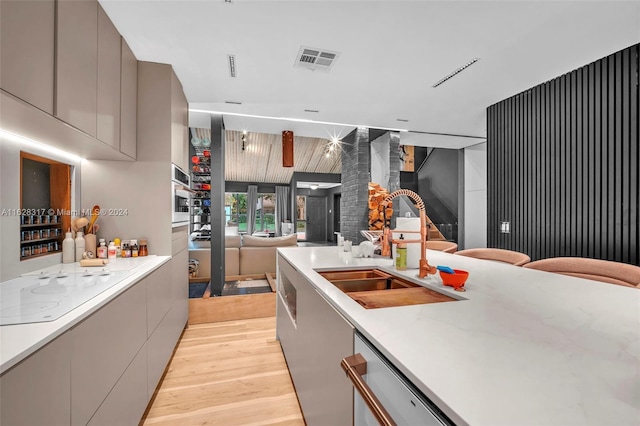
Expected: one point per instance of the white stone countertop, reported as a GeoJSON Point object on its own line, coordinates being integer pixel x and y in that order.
{"type": "Point", "coordinates": [19, 341]}
{"type": "Point", "coordinates": [524, 347]}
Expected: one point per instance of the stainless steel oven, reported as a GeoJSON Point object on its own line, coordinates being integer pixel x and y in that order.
{"type": "Point", "coordinates": [180, 195]}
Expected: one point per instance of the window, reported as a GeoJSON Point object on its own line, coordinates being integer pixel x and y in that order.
{"type": "Point", "coordinates": [266, 213]}
{"type": "Point", "coordinates": [235, 207]}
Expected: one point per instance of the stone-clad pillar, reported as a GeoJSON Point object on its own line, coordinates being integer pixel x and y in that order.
{"type": "Point", "coordinates": [356, 175]}
{"type": "Point", "coordinates": [394, 161]}
{"type": "Point", "coordinates": [356, 162]}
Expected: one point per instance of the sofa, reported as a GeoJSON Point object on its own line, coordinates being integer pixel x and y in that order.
{"type": "Point", "coordinates": [244, 255]}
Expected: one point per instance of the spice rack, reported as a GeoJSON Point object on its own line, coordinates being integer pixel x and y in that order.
{"type": "Point", "coordinates": [40, 235]}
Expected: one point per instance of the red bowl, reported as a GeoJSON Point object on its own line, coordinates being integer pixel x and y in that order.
{"type": "Point", "coordinates": [455, 280]}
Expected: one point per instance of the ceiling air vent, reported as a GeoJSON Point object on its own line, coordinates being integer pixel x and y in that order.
{"type": "Point", "coordinates": [315, 59]}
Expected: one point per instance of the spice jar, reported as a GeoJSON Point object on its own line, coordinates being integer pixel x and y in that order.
{"type": "Point", "coordinates": [143, 251]}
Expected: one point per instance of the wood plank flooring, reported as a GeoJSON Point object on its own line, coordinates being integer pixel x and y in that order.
{"type": "Point", "coordinates": [227, 373]}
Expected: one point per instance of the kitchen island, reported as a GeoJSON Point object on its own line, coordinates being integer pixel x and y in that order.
{"type": "Point", "coordinates": [518, 347]}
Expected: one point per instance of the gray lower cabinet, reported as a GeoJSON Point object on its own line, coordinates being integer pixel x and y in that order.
{"type": "Point", "coordinates": [37, 391]}
{"type": "Point", "coordinates": [159, 298]}
{"type": "Point", "coordinates": [102, 347]}
{"type": "Point", "coordinates": [314, 338]}
{"type": "Point", "coordinates": [128, 399]}
{"type": "Point", "coordinates": [105, 369]}
{"type": "Point", "coordinates": [162, 340]}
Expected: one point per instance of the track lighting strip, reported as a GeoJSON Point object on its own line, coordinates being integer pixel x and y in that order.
{"type": "Point", "coordinates": [462, 68]}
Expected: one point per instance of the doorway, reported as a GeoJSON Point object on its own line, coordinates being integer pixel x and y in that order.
{"type": "Point", "coordinates": [316, 226]}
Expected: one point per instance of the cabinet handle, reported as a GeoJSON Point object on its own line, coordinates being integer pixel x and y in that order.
{"type": "Point", "coordinates": [184, 188]}
{"type": "Point", "coordinates": [356, 366]}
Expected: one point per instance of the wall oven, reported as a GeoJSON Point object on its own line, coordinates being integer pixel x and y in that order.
{"type": "Point", "coordinates": [180, 195]}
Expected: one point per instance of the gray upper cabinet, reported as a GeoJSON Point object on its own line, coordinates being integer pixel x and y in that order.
{"type": "Point", "coordinates": [108, 98]}
{"type": "Point", "coordinates": [27, 37]}
{"type": "Point", "coordinates": [77, 64]}
{"type": "Point", "coordinates": [179, 130]}
{"type": "Point", "coordinates": [128, 101]}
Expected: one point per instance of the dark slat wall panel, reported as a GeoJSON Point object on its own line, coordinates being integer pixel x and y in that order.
{"type": "Point", "coordinates": [563, 162]}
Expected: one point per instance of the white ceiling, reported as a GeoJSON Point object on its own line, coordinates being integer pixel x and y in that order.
{"type": "Point", "coordinates": [391, 53]}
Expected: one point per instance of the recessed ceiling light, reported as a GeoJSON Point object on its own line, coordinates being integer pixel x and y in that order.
{"type": "Point", "coordinates": [231, 59]}
{"type": "Point", "coordinates": [233, 102]}
{"type": "Point", "coordinates": [313, 186]}
{"type": "Point", "coordinates": [462, 68]}
{"type": "Point", "coordinates": [311, 110]}
{"type": "Point", "coordinates": [404, 120]}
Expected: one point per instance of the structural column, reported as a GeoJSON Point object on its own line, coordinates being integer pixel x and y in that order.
{"type": "Point", "coordinates": [356, 164]}
{"type": "Point", "coordinates": [217, 205]}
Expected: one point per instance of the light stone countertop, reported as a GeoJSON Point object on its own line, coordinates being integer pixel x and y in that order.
{"type": "Point", "coordinates": [19, 341]}
{"type": "Point", "coordinates": [524, 347]}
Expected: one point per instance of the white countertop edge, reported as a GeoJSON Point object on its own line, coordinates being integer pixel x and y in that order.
{"type": "Point", "coordinates": [20, 341]}
{"type": "Point", "coordinates": [478, 393]}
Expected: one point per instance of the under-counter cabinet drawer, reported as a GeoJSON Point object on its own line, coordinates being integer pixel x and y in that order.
{"type": "Point", "coordinates": [404, 404]}
{"type": "Point", "coordinates": [128, 399]}
{"type": "Point", "coordinates": [37, 391]}
{"type": "Point", "coordinates": [102, 347]}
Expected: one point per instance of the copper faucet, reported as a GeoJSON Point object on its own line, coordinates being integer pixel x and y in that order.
{"type": "Point", "coordinates": [387, 239]}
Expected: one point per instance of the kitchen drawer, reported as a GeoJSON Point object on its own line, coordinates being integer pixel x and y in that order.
{"type": "Point", "coordinates": [404, 403]}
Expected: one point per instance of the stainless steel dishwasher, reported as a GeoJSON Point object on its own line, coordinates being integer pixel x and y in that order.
{"type": "Point", "coordinates": [382, 395]}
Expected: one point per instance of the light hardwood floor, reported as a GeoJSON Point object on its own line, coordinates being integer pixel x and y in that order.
{"type": "Point", "coordinates": [227, 373]}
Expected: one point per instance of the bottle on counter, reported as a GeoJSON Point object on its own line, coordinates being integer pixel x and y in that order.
{"type": "Point", "coordinates": [111, 251]}
{"type": "Point", "coordinates": [401, 255]}
{"type": "Point", "coordinates": [68, 248]}
{"type": "Point", "coordinates": [143, 251]}
{"type": "Point", "coordinates": [102, 249]}
{"type": "Point", "coordinates": [116, 242]}
{"type": "Point", "coordinates": [134, 248]}
{"type": "Point", "coordinates": [79, 245]}
{"type": "Point", "coordinates": [126, 250]}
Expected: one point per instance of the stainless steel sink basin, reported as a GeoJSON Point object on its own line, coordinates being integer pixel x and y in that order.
{"type": "Point", "coordinates": [373, 288]}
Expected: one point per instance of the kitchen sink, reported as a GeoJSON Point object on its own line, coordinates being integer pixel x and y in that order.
{"type": "Point", "coordinates": [373, 288]}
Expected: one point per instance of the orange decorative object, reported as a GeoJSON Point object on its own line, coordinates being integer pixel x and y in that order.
{"type": "Point", "coordinates": [287, 148]}
{"type": "Point", "coordinates": [195, 159]}
{"type": "Point", "coordinates": [387, 240]}
{"type": "Point", "coordinates": [455, 280]}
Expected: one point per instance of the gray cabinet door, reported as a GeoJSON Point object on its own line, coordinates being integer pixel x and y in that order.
{"type": "Point", "coordinates": [108, 97]}
{"type": "Point", "coordinates": [77, 64]}
{"type": "Point", "coordinates": [159, 296]}
{"type": "Point", "coordinates": [37, 391]}
{"type": "Point", "coordinates": [179, 108]}
{"type": "Point", "coordinates": [102, 348]}
{"type": "Point", "coordinates": [128, 101]}
{"type": "Point", "coordinates": [314, 347]}
{"type": "Point", "coordinates": [127, 401]}
{"type": "Point", "coordinates": [27, 37]}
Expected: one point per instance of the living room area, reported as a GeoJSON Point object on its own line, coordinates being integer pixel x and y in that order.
{"type": "Point", "coordinates": [266, 206]}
